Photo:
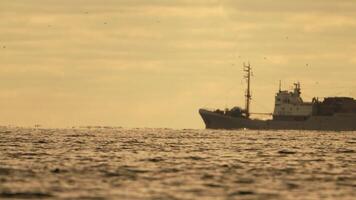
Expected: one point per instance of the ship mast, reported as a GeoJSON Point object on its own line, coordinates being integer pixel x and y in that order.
{"type": "Point", "coordinates": [247, 69]}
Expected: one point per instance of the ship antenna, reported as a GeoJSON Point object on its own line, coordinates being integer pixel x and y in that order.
{"type": "Point", "coordinates": [280, 85]}
{"type": "Point", "coordinates": [247, 69]}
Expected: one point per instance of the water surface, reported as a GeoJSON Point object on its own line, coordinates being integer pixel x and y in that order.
{"type": "Point", "coordinates": [116, 163]}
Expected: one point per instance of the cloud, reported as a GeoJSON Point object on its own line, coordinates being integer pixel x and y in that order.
{"type": "Point", "coordinates": [144, 57]}
{"type": "Point", "coordinates": [281, 6]}
{"type": "Point", "coordinates": [323, 22]}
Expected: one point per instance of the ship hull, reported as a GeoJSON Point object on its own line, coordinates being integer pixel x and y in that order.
{"type": "Point", "coordinates": [338, 122]}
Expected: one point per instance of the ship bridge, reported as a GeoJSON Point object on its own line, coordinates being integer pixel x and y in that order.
{"type": "Point", "coordinates": [290, 105]}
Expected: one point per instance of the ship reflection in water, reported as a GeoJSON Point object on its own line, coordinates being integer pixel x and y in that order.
{"type": "Point", "coordinates": [176, 164]}
{"type": "Point", "coordinates": [290, 113]}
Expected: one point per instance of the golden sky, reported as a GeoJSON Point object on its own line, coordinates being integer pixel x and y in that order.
{"type": "Point", "coordinates": [154, 63]}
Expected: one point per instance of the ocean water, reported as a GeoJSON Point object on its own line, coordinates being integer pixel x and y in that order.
{"type": "Point", "coordinates": [117, 163]}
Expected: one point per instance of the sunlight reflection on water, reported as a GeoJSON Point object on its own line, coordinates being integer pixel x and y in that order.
{"type": "Point", "coordinates": [176, 164]}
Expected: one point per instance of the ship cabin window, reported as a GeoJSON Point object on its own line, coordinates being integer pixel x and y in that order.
{"type": "Point", "coordinates": [286, 101]}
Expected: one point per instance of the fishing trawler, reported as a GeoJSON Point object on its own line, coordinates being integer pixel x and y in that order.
{"type": "Point", "coordinates": [290, 112]}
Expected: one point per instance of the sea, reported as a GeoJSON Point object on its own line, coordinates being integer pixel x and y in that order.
{"type": "Point", "coordinates": [168, 164]}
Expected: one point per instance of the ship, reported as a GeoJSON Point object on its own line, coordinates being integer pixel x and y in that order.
{"type": "Point", "coordinates": [290, 112]}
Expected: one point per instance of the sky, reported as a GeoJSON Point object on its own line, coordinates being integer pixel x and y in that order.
{"type": "Point", "coordinates": [154, 63]}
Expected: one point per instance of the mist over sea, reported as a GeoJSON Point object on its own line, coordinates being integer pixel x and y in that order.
{"type": "Point", "coordinates": [117, 163]}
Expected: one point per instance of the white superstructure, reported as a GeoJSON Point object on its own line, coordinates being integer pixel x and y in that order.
{"type": "Point", "coordinates": [289, 105]}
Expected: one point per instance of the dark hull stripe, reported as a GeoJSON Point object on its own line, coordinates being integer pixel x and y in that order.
{"type": "Point", "coordinates": [340, 122]}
